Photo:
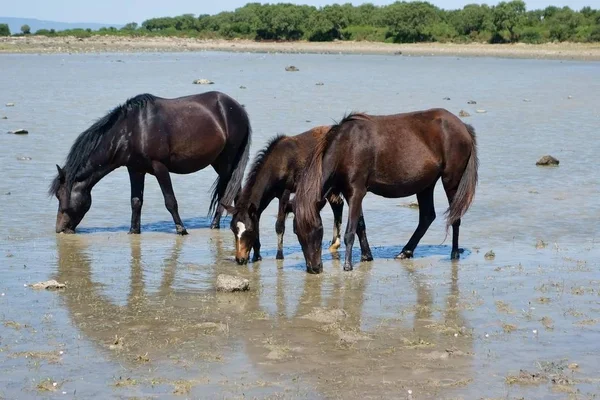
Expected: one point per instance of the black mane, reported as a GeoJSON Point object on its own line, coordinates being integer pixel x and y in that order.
{"type": "Point", "coordinates": [89, 140]}
{"type": "Point", "coordinates": [259, 161]}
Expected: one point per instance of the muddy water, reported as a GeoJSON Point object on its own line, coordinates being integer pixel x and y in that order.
{"type": "Point", "coordinates": [140, 317]}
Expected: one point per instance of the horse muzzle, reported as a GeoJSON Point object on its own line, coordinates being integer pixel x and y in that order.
{"type": "Point", "coordinates": [314, 270]}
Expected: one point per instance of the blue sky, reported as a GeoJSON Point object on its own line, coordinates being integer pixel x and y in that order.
{"type": "Point", "coordinates": [122, 11]}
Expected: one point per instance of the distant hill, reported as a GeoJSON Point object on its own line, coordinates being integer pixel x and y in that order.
{"type": "Point", "coordinates": [35, 24]}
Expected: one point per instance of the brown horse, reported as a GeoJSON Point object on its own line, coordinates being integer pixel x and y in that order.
{"type": "Point", "coordinates": [153, 135]}
{"type": "Point", "coordinates": [391, 156]}
{"type": "Point", "coordinates": [274, 174]}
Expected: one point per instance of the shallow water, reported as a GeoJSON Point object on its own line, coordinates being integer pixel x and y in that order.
{"type": "Point", "coordinates": [425, 328]}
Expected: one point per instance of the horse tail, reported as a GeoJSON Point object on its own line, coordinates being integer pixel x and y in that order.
{"type": "Point", "coordinates": [233, 180]}
{"type": "Point", "coordinates": [466, 187]}
{"type": "Point", "coordinates": [309, 191]}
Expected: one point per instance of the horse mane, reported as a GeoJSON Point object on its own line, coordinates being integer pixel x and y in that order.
{"type": "Point", "coordinates": [310, 186]}
{"type": "Point", "coordinates": [90, 139]}
{"type": "Point", "coordinates": [259, 162]}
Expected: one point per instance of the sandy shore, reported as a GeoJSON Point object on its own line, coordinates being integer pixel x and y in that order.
{"type": "Point", "coordinates": [96, 44]}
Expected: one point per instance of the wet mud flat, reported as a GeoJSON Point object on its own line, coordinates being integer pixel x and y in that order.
{"type": "Point", "coordinates": [426, 328]}
{"type": "Point", "coordinates": [140, 317]}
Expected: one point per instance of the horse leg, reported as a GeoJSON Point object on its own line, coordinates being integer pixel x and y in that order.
{"type": "Point", "coordinates": [256, 247]}
{"type": "Point", "coordinates": [450, 193]}
{"type": "Point", "coordinates": [223, 169]}
{"type": "Point", "coordinates": [361, 231]}
{"type": "Point", "coordinates": [280, 224]}
{"type": "Point", "coordinates": [337, 206]}
{"type": "Point", "coordinates": [164, 180]}
{"type": "Point", "coordinates": [354, 213]}
{"type": "Point", "coordinates": [426, 217]}
{"type": "Point", "coordinates": [137, 198]}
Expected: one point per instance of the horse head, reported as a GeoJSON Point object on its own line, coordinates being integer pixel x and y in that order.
{"type": "Point", "coordinates": [74, 201]}
{"type": "Point", "coordinates": [244, 225]}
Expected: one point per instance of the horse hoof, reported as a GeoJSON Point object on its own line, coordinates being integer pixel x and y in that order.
{"type": "Point", "coordinates": [455, 255]}
{"type": "Point", "coordinates": [366, 257]}
{"type": "Point", "coordinates": [181, 231]}
{"type": "Point", "coordinates": [279, 255]}
{"type": "Point", "coordinates": [215, 226]}
{"type": "Point", "coordinates": [348, 267]}
{"type": "Point", "coordinates": [134, 232]}
{"type": "Point", "coordinates": [256, 258]}
{"type": "Point", "coordinates": [405, 255]}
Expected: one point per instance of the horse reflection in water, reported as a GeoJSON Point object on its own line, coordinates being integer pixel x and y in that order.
{"type": "Point", "coordinates": [331, 331]}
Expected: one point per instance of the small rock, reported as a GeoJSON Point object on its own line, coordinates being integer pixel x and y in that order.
{"type": "Point", "coordinates": [463, 114]}
{"type": "Point", "coordinates": [291, 68]}
{"type": "Point", "coordinates": [573, 366]}
{"type": "Point", "coordinates": [7, 194]}
{"type": "Point", "coordinates": [569, 97]}
{"type": "Point", "coordinates": [319, 84]}
{"type": "Point", "coordinates": [490, 255]}
{"type": "Point", "coordinates": [481, 111]}
{"type": "Point", "coordinates": [203, 82]}
{"type": "Point", "coordinates": [397, 53]}
{"type": "Point", "coordinates": [547, 161]}
{"type": "Point", "coordinates": [242, 87]}
{"type": "Point", "coordinates": [446, 98]}
{"type": "Point", "coordinates": [229, 283]}
{"type": "Point", "coordinates": [24, 158]}
{"type": "Point", "coordinates": [4, 117]}
{"type": "Point", "coordinates": [19, 132]}
{"type": "Point", "coordinates": [50, 285]}
{"type": "Point", "coordinates": [412, 204]}
{"type": "Point", "coordinates": [117, 344]}
{"type": "Point", "coordinates": [471, 102]}
{"type": "Point", "coordinates": [10, 104]}
{"type": "Point", "coordinates": [526, 101]}
{"type": "Point", "coordinates": [540, 244]}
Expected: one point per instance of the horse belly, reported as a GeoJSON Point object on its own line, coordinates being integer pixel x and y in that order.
{"type": "Point", "coordinates": [394, 185]}
{"type": "Point", "coordinates": [187, 165]}
{"type": "Point", "coordinates": [195, 156]}
{"type": "Point", "coordinates": [393, 191]}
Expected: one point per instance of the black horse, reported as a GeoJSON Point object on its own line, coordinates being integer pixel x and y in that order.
{"type": "Point", "coordinates": [153, 135]}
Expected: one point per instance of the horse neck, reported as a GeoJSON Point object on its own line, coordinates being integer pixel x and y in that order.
{"type": "Point", "coordinates": [260, 192]}
{"type": "Point", "coordinates": [111, 154]}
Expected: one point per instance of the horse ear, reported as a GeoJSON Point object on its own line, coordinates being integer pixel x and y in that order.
{"type": "Point", "coordinates": [61, 174]}
{"type": "Point", "coordinates": [229, 209]}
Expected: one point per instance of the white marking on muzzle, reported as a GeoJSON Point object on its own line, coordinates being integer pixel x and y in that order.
{"type": "Point", "coordinates": [241, 229]}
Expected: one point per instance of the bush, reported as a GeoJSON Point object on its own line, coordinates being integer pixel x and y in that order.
{"type": "Point", "coordinates": [365, 33]}
{"type": "Point", "coordinates": [533, 35]}
{"type": "Point", "coordinates": [4, 30]}
{"type": "Point", "coordinates": [25, 29]}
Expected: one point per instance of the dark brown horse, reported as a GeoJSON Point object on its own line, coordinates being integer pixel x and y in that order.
{"type": "Point", "coordinates": [152, 135]}
{"type": "Point", "coordinates": [274, 174]}
{"type": "Point", "coordinates": [391, 156]}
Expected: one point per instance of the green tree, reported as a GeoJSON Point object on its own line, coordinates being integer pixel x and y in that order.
{"type": "Point", "coordinates": [508, 18]}
{"type": "Point", "coordinates": [131, 26]}
{"type": "Point", "coordinates": [25, 29]}
{"type": "Point", "coordinates": [4, 30]}
{"type": "Point", "coordinates": [564, 23]}
{"type": "Point", "coordinates": [473, 20]}
{"type": "Point", "coordinates": [410, 22]}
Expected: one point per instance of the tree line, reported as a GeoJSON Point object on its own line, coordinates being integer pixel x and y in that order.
{"type": "Point", "coordinates": [399, 22]}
